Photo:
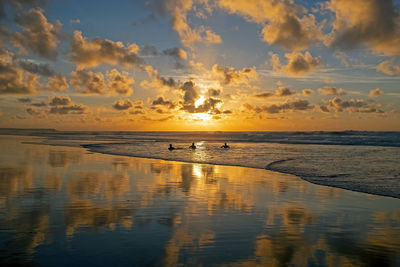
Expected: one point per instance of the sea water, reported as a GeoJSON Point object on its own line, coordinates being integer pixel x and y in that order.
{"type": "Point", "coordinates": [66, 206]}
{"type": "Point", "coordinates": [354, 160]}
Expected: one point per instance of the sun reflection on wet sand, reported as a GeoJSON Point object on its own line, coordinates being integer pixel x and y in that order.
{"type": "Point", "coordinates": [59, 203]}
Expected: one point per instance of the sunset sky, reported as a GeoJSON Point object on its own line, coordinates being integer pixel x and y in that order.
{"type": "Point", "coordinates": [200, 64]}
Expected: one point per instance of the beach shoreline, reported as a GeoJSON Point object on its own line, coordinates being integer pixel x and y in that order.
{"type": "Point", "coordinates": [93, 146]}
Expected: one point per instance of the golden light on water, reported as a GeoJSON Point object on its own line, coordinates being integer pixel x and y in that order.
{"type": "Point", "coordinates": [197, 170]}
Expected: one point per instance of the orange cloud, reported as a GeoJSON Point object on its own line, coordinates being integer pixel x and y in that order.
{"type": "Point", "coordinates": [178, 10]}
{"type": "Point", "coordinates": [298, 64]}
{"type": "Point", "coordinates": [14, 80]}
{"type": "Point", "coordinates": [39, 35]}
{"type": "Point", "coordinates": [327, 90]}
{"type": "Point", "coordinates": [60, 101]}
{"type": "Point", "coordinates": [353, 105]}
{"type": "Point", "coordinates": [35, 112]}
{"type": "Point", "coordinates": [42, 69]}
{"type": "Point", "coordinates": [289, 105]}
{"type": "Point", "coordinates": [63, 105]}
{"type": "Point", "coordinates": [178, 54]}
{"type": "Point", "coordinates": [230, 76]}
{"type": "Point", "coordinates": [175, 53]}
{"type": "Point", "coordinates": [72, 109]}
{"type": "Point", "coordinates": [158, 82]}
{"type": "Point", "coordinates": [307, 91]}
{"type": "Point", "coordinates": [373, 23]}
{"type": "Point", "coordinates": [87, 53]}
{"type": "Point", "coordinates": [56, 105]}
{"type": "Point", "coordinates": [122, 104]}
{"type": "Point", "coordinates": [190, 94]}
{"type": "Point", "coordinates": [57, 83]}
{"type": "Point", "coordinates": [120, 83]}
{"type": "Point", "coordinates": [287, 26]}
{"type": "Point", "coordinates": [376, 92]}
{"type": "Point", "coordinates": [161, 102]}
{"type": "Point", "coordinates": [87, 82]}
{"type": "Point", "coordinates": [280, 92]}
{"type": "Point", "coordinates": [388, 68]}
{"type": "Point", "coordinates": [59, 105]}
{"type": "Point", "coordinates": [191, 104]}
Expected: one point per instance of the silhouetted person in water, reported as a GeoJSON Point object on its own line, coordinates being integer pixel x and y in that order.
{"type": "Point", "coordinates": [192, 146]}
{"type": "Point", "coordinates": [225, 146]}
{"type": "Point", "coordinates": [171, 147]}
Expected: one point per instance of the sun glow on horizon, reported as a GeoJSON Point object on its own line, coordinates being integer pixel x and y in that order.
{"type": "Point", "coordinates": [202, 117]}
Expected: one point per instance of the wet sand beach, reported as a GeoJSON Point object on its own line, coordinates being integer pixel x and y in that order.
{"type": "Point", "coordinates": [65, 206]}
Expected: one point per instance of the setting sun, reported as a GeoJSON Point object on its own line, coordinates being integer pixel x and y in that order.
{"type": "Point", "coordinates": [199, 101]}
{"type": "Point", "coordinates": [202, 117]}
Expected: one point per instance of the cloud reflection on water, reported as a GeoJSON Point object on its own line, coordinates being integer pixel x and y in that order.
{"type": "Point", "coordinates": [190, 213]}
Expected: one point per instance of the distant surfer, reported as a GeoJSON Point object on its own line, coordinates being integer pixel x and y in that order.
{"type": "Point", "coordinates": [225, 146]}
{"type": "Point", "coordinates": [171, 147]}
{"type": "Point", "coordinates": [192, 146]}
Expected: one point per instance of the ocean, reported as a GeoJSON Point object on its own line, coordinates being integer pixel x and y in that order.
{"type": "Point", "coordinates": [64, 204]}
{"type": "Point", "coordinates": [354, 160]}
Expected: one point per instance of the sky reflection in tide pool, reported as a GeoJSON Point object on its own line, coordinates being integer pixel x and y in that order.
{"type": "Point", "coordinates": [64, 206]}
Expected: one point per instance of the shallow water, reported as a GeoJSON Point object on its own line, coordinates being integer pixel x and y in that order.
{"type": "Point", "coordinates": [360, 161]}
{"type": "Point", "coordinates": [370, 169]}
{"type": "Point", "coordinates": [63, 206]}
